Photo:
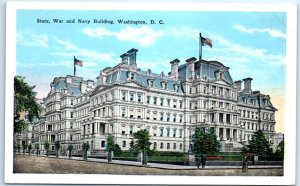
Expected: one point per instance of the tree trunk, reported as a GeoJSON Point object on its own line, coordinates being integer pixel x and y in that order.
{"type": "Point", "coordinates": [57, 153]}
{"type": "Point", "coordinates": [47, 153]}
{"type": "Point", "coordinates": [144, 161]}
{"type": "Point", "coordinates": [109, 156]}
{"type": "Point", "coordinates": [70, 154]}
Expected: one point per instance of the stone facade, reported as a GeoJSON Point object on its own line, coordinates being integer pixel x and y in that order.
{"type": "Point", "coordinates": [125, 99]}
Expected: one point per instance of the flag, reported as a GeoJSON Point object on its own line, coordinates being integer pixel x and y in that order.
{"type": "Point", "coordinates": [77, 62]}
{"type": "Point", "coordinates": [206, 41]}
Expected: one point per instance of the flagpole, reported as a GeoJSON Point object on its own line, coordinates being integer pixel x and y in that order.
{"type": "Point", "coordinates": [200, 46]}
{"type": "Point", "coordinates": [74, 67]}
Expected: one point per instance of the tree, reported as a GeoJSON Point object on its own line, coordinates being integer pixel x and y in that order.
{"type": "Point", "coordinates": [205, 142]}
{"type": "Point", "coordinates": [29, 148]}
{"type": "Point", "coordinates": [47, 147]}
{"type": "Point", "coordinates": [24, 98]}
{"type": "Point", "coordinates": [142, 143]}
{"type": "Point", "coordinates": [70, 148]}
{"type": "Point", "coordinates": [280, 149]}
{"type": "Point", "coordinates": [37, 147]}
{"type": "Point", "coordinates": [258, 145]}
{"type": "Point", "coordinates": [110, 147]}
{"type": "Point", "coordinates": [57, 147]}
{"type": "Point", "coordinates": [85, 148]}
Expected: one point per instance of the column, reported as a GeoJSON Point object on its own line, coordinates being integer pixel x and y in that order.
{"type": "Point", "coordinates": [237, 135]}
{"type": "Point", "coordinates": [231, 134]}
{"type": "Point", "coordinates": [224, 134]}
{"type": "Point", "coordinates": [217, 133]}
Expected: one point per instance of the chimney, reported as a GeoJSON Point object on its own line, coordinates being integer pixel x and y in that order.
{"type": "Point", "coordinates": [247, 85]}
{"type": "Point", "coordinates": [238, 84]}
{"type": "Point", "coordinates": [132, 57]}
{"type": "Point", "coordinates": [191, 65]}
{"type": "Point", "coordinates": [124, 58]}
{"type": "Point", "coordinates": [174, 68]}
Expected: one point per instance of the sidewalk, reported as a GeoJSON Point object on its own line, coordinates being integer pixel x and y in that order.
{"type": "Point", "coordinates": [163, 166]}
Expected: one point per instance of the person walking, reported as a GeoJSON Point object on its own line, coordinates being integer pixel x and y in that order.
{"type": "Point", "coordinates": [203, 160]}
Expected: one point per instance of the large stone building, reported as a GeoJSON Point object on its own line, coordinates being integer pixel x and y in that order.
{"type": "Point", "coordinates": [125, 99]}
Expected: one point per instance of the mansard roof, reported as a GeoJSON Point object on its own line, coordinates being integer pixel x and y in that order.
{"type": "Point", "coordinates": [205, 69]}
{"type": "Point", "coordinates": [264, 101]}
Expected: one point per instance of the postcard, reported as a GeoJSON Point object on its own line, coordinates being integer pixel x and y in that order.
{"type": "Point", "coordinates": [150, 93]}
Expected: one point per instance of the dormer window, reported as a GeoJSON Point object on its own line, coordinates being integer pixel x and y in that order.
{"type": "Point", "coordinates": [131, 76]}
{"type": "Point", "coordinates": [150, 83]}
{"type": "Point", "coordinates": [176, 88]}
{"type": "Point", "coordinates": [164, 85]}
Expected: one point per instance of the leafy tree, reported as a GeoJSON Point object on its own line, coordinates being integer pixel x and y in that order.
{"type": "Point", "coordinates": [258, 145]}
{"type": "Point", "coordinates": [117, 149]}
{"type": "Point", "coordinates": [29, 148]}
{"type": "Point", "coordinates": [47, 147]}
{"type": "Point", "coordinates": [142, 143]}
{"type": "Point", "coordinates": [70, 148]}
{"type": "Point", "coordinates": [280, 149]}
{"type": "Point", "coordinates": [24, 98]}
{"type": "Point", "coordinates": [57, 147]}
{"type": "Point", "coordinates": [37, 147]}
{"type": "Point", "coordinates": [110, 147]}
{"type": "Point", "coordinates": [85, 148]}
{"type": "Point", "coordinates": [205, 142]}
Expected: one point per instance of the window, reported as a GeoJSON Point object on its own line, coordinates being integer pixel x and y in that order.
{"type": "Point", "coordinates": [180, 133]}
{"type": "Point", "coordinates": [161, 132]}
{"type": "Point", "coordinates": [131, 96]}
{"type": "Point", "coordinates": [154, 145]}
{"type": "Point", "coordinates": [174, 103]}
{"type": "Point", "coordinates": [123, 112]}
{"type": "Point", "coordinates": [150, 83]}
{"type": "Point", "coordinates": [154, 115]}
{"type": "Point", "coordinates": [139, 98]}
{"type": "Point", "coordinates": [174, 133]}
{"type": "Point", "coordinates": [71, 114]}
{"type": "Point", "coordinates": [148, 99]}
{"type": "Point", "coordinates": [154, 132]}
{"type": "Point", "coordinates": [124, 144]}
{"type": "Point", "coordinates": [168, 145]}
{"type": "Point", "coordinates": [102, 143]}
{"type": "Point", "coordinates": [139, 113]}
{"type": "Point", "coordinates": [168, 117]}
{"type": "Point", "coordinates": [148, 115]}
{"type": "Point", "coordinates": [180, 104]}
{"type": "Point", "coordinates": [161, 116]}
{"type": "Point", "coordinates": [71, 102]}
{"type": "Point", "coordinates": [123, 96]}
{"type": "Point", "coordinates": [168, 102]}
{"type": "Point", "coordinates": [174, 117]}
{"type": "Point", "coordinates": [180, 146]}
{"type": "Point", "coordinates": [221, 117]}
{"type": "Point", "coordinates": [123, 130]}
{"type": "Point", "coordinates": [131, 130]}
{"type": "Point", "coordinates": [161, 145]}
{"type": "Point", "coordinates": [131, 76]}
{"type": "Point", "coordinates": [174, 145]}
{"type": "Point", "coordinates": [161, 101]}
{"type": "Point", "coordinates": [180, 118]}
{"type": "Point", "coordinates": [155, 100]}
{"type": "Point", "coordinates": [131, 113]}
{"type": "Point", "coordinates": [168, 132]}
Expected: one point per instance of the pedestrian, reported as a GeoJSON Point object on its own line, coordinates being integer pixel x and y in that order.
{"type": "Point", "coordinates": [203, 161]}
{"type": "Point", "coordinates": [245, 164]}
{"type": "Point", "coordinates": [198, 161]}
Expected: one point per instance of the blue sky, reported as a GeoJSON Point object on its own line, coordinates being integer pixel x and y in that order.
{"type": "Point", "coordinates": [252, 44]}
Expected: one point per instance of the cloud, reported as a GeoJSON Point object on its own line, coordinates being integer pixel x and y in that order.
{"type": "Point", "coordinates": [144, 36]}
{"type": "Point", "coordinates": [272, 32]}
{"type": "Point", "coordinates": [72, 50]}
{"type": "Point", "coordinates": [32, 40]}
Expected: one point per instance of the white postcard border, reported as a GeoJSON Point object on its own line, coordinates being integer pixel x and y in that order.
{"type": "Point", "coordinates": [290, 107]}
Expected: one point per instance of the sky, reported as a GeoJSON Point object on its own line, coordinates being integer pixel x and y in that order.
{"type": "Point", "coordinates": [252, 44]}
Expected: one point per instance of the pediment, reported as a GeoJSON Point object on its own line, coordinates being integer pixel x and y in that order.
{"type": "Point", "coordinates": [133, 84]}
{"type": "Point", "coordinates": [221, 82]}
{"type": "Point", "coordinates": [269, 107]}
